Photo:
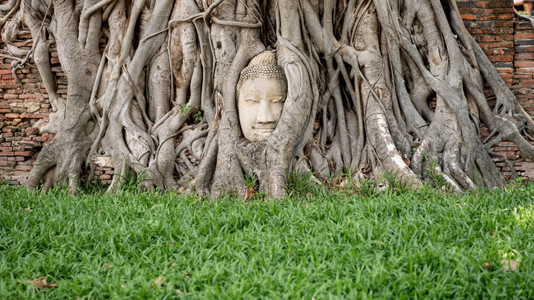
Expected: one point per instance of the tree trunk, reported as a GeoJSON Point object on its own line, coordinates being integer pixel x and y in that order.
{"type": "Point", "coordinates": [373, 88]}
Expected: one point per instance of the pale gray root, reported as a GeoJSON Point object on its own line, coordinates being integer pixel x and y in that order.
{"type": "Point", "coordinates": [158, 86]}
{"type": "Point", "coordinates": [68, 149]}
{"type": "Point", "coordinates": [186, 66]}
{"type": "Point", "coordinates": [445, 77]}
{"type": "Point", "coordinates": [126, 139]}
{"type": "Point", "coordinates": [167, 153]}
{"type": "Point", "coordinates": [228, 176]}
{"type": "Point", "coordinates": [384, 136]}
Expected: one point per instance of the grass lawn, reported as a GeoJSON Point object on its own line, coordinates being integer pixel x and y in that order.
{"type": "Point", "coordinates": [318, 245]}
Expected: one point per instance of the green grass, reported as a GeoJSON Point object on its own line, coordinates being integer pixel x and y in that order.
{"type": "Point", "coordinates": [322, 245]}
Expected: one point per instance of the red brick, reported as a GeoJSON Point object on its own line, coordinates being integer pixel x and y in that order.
{"type": "Point", "coordinates": [7, 163]}
{"type": "Point", "coordinates": [501, 58]}
{"type": "Point", "coordinates": [24, 168]}
{"type": "Point", "coordinates": [507, 76]}
{"type": "Point", "coordinates": [469, 17]}
{"type": "Point", "coordinates": [524, 63]}
{"type": "Point", "coordinates": [34, 116]}
{"type": "Point", "coordinates": [32, 131]}
{"type": "Point", "coordinates": [23, 153]}
{"type": "Point", "coordinates": [524, 35]}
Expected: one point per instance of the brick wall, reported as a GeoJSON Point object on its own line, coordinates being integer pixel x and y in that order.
{"type": "Point", "coordinates": [523, 78]}
{"type": "Point", "coordinates": [509, 44]}
{"type": "Point", "coordinates": [523, 83]}
{"type": "Point", "coordinates": [24, 108]}
{"type": "Point", "coordinates": [491, 22]}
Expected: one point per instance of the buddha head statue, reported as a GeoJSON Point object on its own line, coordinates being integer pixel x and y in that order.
{"type": "Point", "coordinates": [261, 92]}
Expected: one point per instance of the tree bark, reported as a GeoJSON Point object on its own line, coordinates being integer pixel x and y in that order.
{"type": "Point", "coordinates": [154, 85]}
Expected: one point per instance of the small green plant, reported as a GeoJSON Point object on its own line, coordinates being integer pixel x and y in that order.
{"type": "Point", "coordinates": [185, 108]}
{"type": "Point", "coordinates": [251, 181]}
{"type": "Point", "coordinates": [303, 184]}
{"type": "Point", "coordinates": [131, 181]}
{"type": "Point", "coordinates": [518, 182]}
{"type": "Point", "coordinates": [253, 188]}
{"type": "Point", "coordinates": [94, 186]}
{"type": "Point", "coordinates": [368, 188]}
{"type": "Point", "coordinates": [436, 177]}
{"type": "Point", "coordinates": [198, 116]}
{"type": "Point", "coordinates": [396, 182]}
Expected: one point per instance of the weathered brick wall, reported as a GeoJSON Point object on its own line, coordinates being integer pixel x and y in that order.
{"type": "Point", "coordinates": [491, 22]}
{"type": "Point", "coordinates": [523, 79]}
{"type": "Point", "coordinates": [508, 42]}
{"type": "Point", "coordinates": [23, 107]}
{"type": "Point", "coordinates": [523, 84]}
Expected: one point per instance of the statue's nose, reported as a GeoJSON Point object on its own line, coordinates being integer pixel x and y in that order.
{"type": "Point", "coordinates": [265, 114]}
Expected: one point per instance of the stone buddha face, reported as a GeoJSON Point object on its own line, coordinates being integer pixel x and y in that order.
{"type": "Point", "coordinates": [261, 90]}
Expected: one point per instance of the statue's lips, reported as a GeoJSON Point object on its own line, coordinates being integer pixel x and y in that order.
{"type": "Point", "coordinates": [263, 130]}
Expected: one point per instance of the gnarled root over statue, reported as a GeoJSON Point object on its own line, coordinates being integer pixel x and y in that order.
{"type": "Point", "coordinates": [169, 88]}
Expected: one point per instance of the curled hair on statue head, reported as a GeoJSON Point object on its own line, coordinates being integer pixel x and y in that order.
{"type": "Point", "coordinates": [263, 65]}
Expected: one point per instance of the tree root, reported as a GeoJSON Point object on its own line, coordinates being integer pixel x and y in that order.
{"type": "Point", "coordinates": [361, 75]}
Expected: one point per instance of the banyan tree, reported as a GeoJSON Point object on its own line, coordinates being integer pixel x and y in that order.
{"type": "Point", "coordinates": [199, 94]}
